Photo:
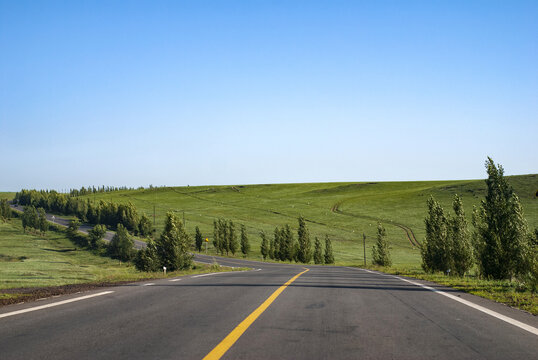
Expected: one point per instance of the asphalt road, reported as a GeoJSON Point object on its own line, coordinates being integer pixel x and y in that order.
{"type": "Point", "coordinates": [326, 313]}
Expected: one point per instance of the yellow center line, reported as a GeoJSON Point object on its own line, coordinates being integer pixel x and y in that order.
{"type": "Point", "coordinates": [236, 333]}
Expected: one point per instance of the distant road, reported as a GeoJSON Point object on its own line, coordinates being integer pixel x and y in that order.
{"type": "Point", "coordinates": [325, 313]}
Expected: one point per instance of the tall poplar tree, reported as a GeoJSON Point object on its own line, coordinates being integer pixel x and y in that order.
{"type": "Point", "coordinates": [271, 252]}
{"type": "Point", "coordinates": [245, 246]}
{"type": "Point", "coordinates": [304, 248]}
{"type": "Point", "coordinates": [277, 237]}
{"type": "Point", "coordinates": [329, 256]}
{"type": "Point", "coordinates": [43, 225]}
{"type": "Point", "coordinates": [381, 250]}
{"type": "Point", "coordinates": [435, 249]}
{"type": "Point", "coordinates": [501, 239]}
{"type": "Point", "coordinates": [232, 238]}
{"type": "Point", "coordinates": [198, 239]}
{"type": "Point", "coordinates": [264, 247]}
{"type": "Point", "coordinates": [461, 252]}
{"type": "Point", "coordinates": [318, 252]}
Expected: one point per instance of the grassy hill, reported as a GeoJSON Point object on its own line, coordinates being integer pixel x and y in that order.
{"type": "Point", "coordinates": [342, 210]}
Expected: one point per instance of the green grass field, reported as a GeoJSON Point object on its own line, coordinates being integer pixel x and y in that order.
{"type": "Point", "coordinates": [342, 210]}
{"type": "Point", "coordinates": [52, 260]}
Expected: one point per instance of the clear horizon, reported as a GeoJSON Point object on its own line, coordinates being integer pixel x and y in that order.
{"type": "Point", "coordinates": [173, 93]}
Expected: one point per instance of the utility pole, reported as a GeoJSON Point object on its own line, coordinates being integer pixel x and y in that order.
{"type": "Point", "coordinates": [364, 245]}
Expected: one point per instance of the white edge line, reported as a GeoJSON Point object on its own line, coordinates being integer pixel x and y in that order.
{"type": "Point", "coordinates": [53, 304]}
{"type": "Point", "coordinates": [174, 279]}
{"type": "Point", "coordinates": [485, 310]}
{"type": "Point", "coordinates": [223, 272]}
{"type": "Point", "coordinates": [202, 275]}
{"type": "Point", "coordinates": [148, 284]}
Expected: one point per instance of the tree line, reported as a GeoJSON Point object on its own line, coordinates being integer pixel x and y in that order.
{"type": "Point", "coordinates": [105, 213]}
{"type": "Point", "coordinates": [100, 189]}
{"type": "Point", "coordinates": [501, 245]}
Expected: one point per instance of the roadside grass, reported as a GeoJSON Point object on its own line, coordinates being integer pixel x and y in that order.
{"type": "Point", "coordinates": [360, 206]}
{"type": "Point", "coordinates": [31, 261]}
{"type": "Point", "coordinates": [502, 291]}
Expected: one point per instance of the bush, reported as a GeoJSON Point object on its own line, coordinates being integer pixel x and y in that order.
{"type": "Point", "coordinates": [381, 250]}
{"type": "Point", "coordinates": [95, 236]}
{"type": "Point", "coordinates": [121, 246]}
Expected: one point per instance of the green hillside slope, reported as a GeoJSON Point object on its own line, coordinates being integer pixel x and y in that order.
{"type": "Point", "coordinates": [342, 210]}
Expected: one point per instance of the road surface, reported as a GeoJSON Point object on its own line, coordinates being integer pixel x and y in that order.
{"type": "Point", "coordinates": [274, 311]}
{"type": "Point", "coordinates": [325, 313]}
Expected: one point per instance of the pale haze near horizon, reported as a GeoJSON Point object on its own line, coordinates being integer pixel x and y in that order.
{"type": "Point", "coordinates": [173, 93]}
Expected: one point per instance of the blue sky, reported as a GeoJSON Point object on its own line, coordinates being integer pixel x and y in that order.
{"type": "Point", "coordinates": [236, 92]}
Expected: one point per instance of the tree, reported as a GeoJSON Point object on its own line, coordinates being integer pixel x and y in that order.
{"type": "Point", "coordinates": [286, 244]}
{"type": "Point", "coordinates": [147, 259]}
{"type": "Point", "coordinates": [271, 252]}
{"type": "Point", "coordinates": [216, 236]}
{"type": "Point", "coordinates": [435, 249]}
{"type": "Point", "coordinates": [5, 211]}
{"type": "Point", "coordinates": [95, 236]}
{"type": "Point", "coordinates": [329, 257]}
{"type": "Point", "coordinates": [223, 240]}
{"type": "Point", "coordinates": [245, 246]}
{"type": "Point", "coordinates": [72, 228]}
{"type": "Point", "coordinates": [304, 249]}
{"type": "Point", "coordinates": [295, 252]}
{"type": "Point", "coordinates": [121, 246]}
{"type": "Point", "coordinates": [145, 227]}
{"type": "Point", "coordinates": [173, 245]}
{"type": "Point", "coordinates": [43, 225]}
{"type": "Point", "coordinates": [30, 218]}
{"type": "Point", "coordinates": [198, 240]}
{"type": "Point", "coordinates": [501, 239]}
{"type": "Point", "coordinates": [264, 248]}
{"type": "Point", "coordinates": [381, 250]}
{"type": "Point", "coordinates": [318, 254]}
{"type": "Point", "coordinates": [461, 251]}
{"type": "Point", "coordinates": [277, 240]}
{"type": "Point", "coordinates": [232, 238]}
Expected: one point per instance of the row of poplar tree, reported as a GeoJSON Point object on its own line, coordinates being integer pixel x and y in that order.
{"type": "Point", "coordinates": [225, 238]}
{"type": "Point", "coordinates": [501, 244]}
{"type": "Point", "coordinates": [102, 212]}
{"type": "Point", "coordinates": [283, 246]}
